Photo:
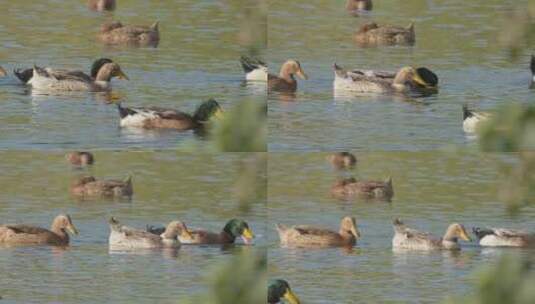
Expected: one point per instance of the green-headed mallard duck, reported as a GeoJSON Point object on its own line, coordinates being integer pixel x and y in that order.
{"type": "Point", "coordinates": [80, 158]}
{"type": "Point", "coordinates": [233, 229]}
{"type": "Point", "coordinates": [3, 72]}
{"type": "Point", "coordinates": [472, 119]}
{"type": "Point", "coordinates": [160, 118]}
{"type": "Point", "coordinates": [349, 188]}
{"type": "Point", "coordinates": [52, 80]}
{"type": "Point", "coordinates": [342, 160]}
{"type": "Point", "coordinates": [371, 34]}
{"type": "Point", "coordinates": [309, 236]}
{"type": "Point", "coordinates": [410, 239]}
{"type": "Point", "coordinates": [359, 5]}
{"type": "Point", "coordinates": [88, 186]}
{"type": "Point", "coordinates": [285, 81]}
{"type": "Point", "coordinates": [101, 5]}
{"type": "Point", "coordinates": [25, 75]}
{"type": "Point", "coordinates": [30, 235]}
{"type": "Point", "coordinates": [279, 290]}
{"type": "Point", "coordinates": [126, 237]}
{"type": "Point", "coordinates": [255, 69]}
{"type": "Point", "coordinates": [501, 237]}
{"type": "Point", "coordinates": [117, 33]}
{"type": "Point", "coordinates": [406, 80]}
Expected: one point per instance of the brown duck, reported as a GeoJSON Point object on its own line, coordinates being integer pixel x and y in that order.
{"type": "Point", "coordinates": [309, 236]}
{"type": "Point", "coordinates": [285, 81]}
{"type": "Point", "coordinates": [80, 158]}
{"type": "Point", "coordinates": [371, 34]}
{"type": "Point", "coordinates": [342, 160]}
{"type": "Point", "coordinates": [117, 33]}
{"type": "Point", "coordinates": [359, 5]}
{"type": "Point", "coordinates": [101, 5]}
{"type": "Point", "coordinates": [88, 186]}
{"type": "Point", "coordinates": [30, 235]}
{"type": "Point", "coordinates": [350, 188]}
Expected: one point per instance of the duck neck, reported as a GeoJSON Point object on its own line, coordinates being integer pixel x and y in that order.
{"type": "Point", "coordinates": [450, 236]}
{"type": "Point", "coordinates": [347, 236]}
{"type": "Point", "coordinates": [103, 75]}
{"type": "Point", "coordinates": [286, 74]}
{"type": "Point", "coordinates": [60, 232]}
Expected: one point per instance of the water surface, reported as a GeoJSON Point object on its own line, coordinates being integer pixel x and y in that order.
{"type": "Point", "coordinates": [458, 40]}
{"type": "Point", "coordinates": [432, 190]}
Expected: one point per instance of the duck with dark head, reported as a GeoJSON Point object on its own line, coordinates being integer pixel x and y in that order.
{"type": "Point", "coordinates": [162, 118]}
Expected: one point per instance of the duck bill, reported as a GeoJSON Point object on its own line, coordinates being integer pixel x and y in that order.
{"type": "Point", "coordinates": [464, 236]}
{"type": "Point", "coordinates": [421, 82]}
{"type": "Point", "coordinates": [356, 232]}
{"type": "Point", "coordinates": [3, 72]}
{"type": "Point", "coordinates": [302, 75]}
{"type": "Point", "coordinates": [247, 236]}
{"type": "Point", "coordinates": [219, 114]}
{"type": "Point", "coordinates": [72, 229]}
{"type": "Point", "coordinates": [121, 75]}
{"type": "Point", "coordinates": [291, 297]}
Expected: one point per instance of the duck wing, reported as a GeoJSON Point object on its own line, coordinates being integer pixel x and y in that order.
{"type": "Point", "coordinates": [25, 229]}
{"type": "Point", "coordinates": [316, 231]}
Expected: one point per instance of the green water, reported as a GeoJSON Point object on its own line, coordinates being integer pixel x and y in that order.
{"type": "Point", "coordinates": [431, 191]}
{"type": "Point", "coordinates": [438, 175]}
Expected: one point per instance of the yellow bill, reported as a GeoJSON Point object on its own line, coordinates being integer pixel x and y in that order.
{"type": "Point", "coordinates": [291, 297]}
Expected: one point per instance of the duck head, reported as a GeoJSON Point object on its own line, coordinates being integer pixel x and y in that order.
{"type": "Point", "coordinates": [280, 289]}
{"type": "Point", "coordinates": [238, 228]}
{"type": "Point", "coordinates": [291, 68]}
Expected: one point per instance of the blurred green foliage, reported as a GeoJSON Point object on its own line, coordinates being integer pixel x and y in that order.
{"type": "Point", "coordinates": [243, 129]}
{"type": "Point", "coordinates": [511, 281]}
{"type": "Point", "coordinates": [243, 280]}
{"type": "Point", "coordinates": [512, 129]}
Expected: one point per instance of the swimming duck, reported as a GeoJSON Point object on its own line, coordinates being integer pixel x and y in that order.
{"type": "Point", "coordinates": [127, 237]}
{"type": "Point", "coordinates": [80, 158]}
{"type": "Point", "coordinates": [371, 34]}
{"type": "Point", "coordinates": [117, 33]}
{"type": "Point", "coordinates": [3, 72]}
{"type": "Point", "coordinates": [407, 238]}
{"type": "Point", "coordinates": [279, 290]}
{"type": "Point", "coordinates": [88, 186]}
{"type": "Point", "coordinates": [25, 75]}
{"type": "Point", "coordinates": [101, 5]}
{"type": "Point", "coordinates": [501, 237]}
{"type": "Point", "coordinates": [349, 188]}
{"type": "Point", "coordinates": [406, 80]}
{"type": "Point", "coordinates": [285, 81]}
{"type": "Point", "coordinates": [342, 160]}
{"type": "Point", "coordinates": [309, 236]}
{"type": "Point", "coordinates": [472, 119]}
{"type": "Point", "coordinates": [255, 69]}
{"type": "Point", "coordinates": [233, 229]}
{"type": "Point", "coordinates": [56, 81]}
{"type": "Point", "coordinates": [30, 235]}
{"type": "Point", "coordinates": [160, 118]}
{"type": "Point", "coordinates": [359, 5]}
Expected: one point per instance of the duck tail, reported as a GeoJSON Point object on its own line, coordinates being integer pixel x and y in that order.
{"type": "Point", "coordinates": [23, 75]}
{"type": "Point", "coordinates": [397, 222]}
{"type": "Point", "coordinates": [466, 112]}
{"type": "Point", "coordinates": [249, 64]}
{"type": "Point", "coordinates": [128, 180]}
{"type": "Point", "coordinates": [532, 65]}
{"type": "Point", "coordinates": [281, 228]}
{"type": "Point", "coordinates": [155, 26]}
{"type": "Point", "coordinates": [339, 71]}
{"type": "Point", "coordinates": [123, 111]}
{"type": "Point", "coordinates": [410, 27]}
{"type": "Point", "coordinates": [388, 181]}
{"type": "Point", "coordinates": [115, 225]}
{"type": "Point", "coordinates": [481, 233]}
